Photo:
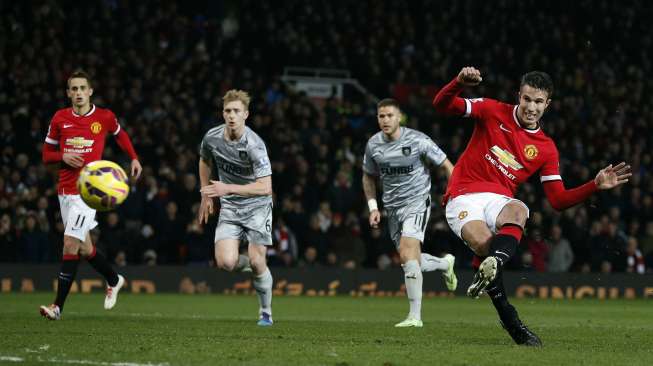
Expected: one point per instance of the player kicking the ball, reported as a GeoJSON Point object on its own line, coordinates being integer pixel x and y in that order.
{"type": "Point", "coordinates": [75, 138]}
{"type": "Point", "coordinates": [245, 191]}
{"type": "Point", "coordinates": [398, 156]}
{"type": "Point", "coordinates": [507, 147]}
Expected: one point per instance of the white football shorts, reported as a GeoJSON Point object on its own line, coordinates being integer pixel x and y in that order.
{"type": "Point", "coordinates": [477, 206]}
{"type": "Point", "coordinates": [77, 217]}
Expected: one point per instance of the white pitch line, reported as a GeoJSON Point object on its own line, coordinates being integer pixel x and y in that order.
{"type": "Point", "coordinates": [11, 359]}
{"type": "Point", "coordinates": [101, 363]}
{"type": "Point", "coordinates": [79, 362]}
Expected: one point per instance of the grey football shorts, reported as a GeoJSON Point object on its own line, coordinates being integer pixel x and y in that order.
{"type": "Point", "coordinates": [248, 224]}
{"type": "Point", "coordinates": [410, 220]}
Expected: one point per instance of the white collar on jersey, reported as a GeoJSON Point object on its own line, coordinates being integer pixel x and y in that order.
{"type": "Point", "coordinates": [84, 115]}
{"type": "Point", "coordinates": [514, 116]}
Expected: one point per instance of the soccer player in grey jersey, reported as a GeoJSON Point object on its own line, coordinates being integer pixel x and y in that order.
{"type": "Point", "coordinates": [245, 191]}
{"type": "Point", "coordinates": [399, 156]}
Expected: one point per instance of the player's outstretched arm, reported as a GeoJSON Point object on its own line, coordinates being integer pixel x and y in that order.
{"type": "Point", "coordinates": [607, 178]}
{"type": "Point", "coordinates": [447, 101]}
{"type": "Point", "coordinates": [369, 188]}
{"type": "Point", "coordinates": [612, 176]}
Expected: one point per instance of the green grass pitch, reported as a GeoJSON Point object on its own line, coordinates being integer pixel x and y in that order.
{"type": "Point", "coordinates": [221, 330]}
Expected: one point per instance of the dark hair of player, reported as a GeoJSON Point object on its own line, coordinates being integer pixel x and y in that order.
{"type": "Point", "coordinates": [538, 80]}
{"type": "Point", "coordinates": [388, 102]}
{"type": "Point", "coordinates": [81, 74]}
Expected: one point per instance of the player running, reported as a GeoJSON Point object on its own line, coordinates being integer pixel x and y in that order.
{"type": "Point", "coordinates": [506, 148]}
{"type": "Point", "coordinates": [245, 191]}
{"type": "Point", "coordinates": [399, 156]}
{"type": "Point", "coordinates": [75, 138]}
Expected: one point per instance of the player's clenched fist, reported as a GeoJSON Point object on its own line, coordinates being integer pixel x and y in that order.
{"type": "Point", "coordinates": [469, 76]}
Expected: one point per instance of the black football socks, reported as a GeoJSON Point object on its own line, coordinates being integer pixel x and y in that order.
{"type": "Point", "coordinates": [100, 264]}
{"type": "Point", "coordinates": [497, 293]}
{"type": "Point", "coordinates": [66, 277]}
{"type": "Point", "coordinates": [504, 245]}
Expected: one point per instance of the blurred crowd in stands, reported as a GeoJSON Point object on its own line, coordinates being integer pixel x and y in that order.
{"type": "Point", "coordinates": [162, 67]}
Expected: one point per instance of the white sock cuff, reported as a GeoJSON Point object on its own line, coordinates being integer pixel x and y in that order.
{"type": "Point", "coordinates": [263, 281]}
{"type": "Point", "coordinates": [263, 285]}
{"type": "Point", "coordinates": [264, 274]}
{"type": "Point", "coordinates": [432, 263]}
{"type": "Point", "coordinates": [412, 266]}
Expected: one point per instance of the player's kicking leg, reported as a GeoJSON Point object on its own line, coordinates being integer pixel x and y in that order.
{"type": "Point", "coordinates": [262, 283]}
{"type": "Point", "coordinates": [508, 315]}
{"type": "Point", "coordinates": [486, 273]}
{"type": "Point", "coordinates": [489, 279]}
{"type": "Point", "coordinates": [429, 263]}
{"type": "Point", "coordinates": [474, 229]}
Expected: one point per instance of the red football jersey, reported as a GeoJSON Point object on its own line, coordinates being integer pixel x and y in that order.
{"type": "Point", "coordinates": [501, 154]}
{"type": "Point", "coordinates": [83, 134]}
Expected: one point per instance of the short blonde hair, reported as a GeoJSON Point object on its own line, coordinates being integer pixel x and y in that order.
{"type": "Point", "coordinates": [234, 95]}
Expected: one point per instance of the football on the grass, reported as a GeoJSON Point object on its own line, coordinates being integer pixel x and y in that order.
{"type": "Point", "coordinates": [103, 185]}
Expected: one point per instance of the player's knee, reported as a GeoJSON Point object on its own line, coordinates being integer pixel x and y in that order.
{"type": "Point", "coordinates": [518, 214]}
{"type": "Point", "coordinates": [259, 268]}
{"type": "Point", "coordinates": [522, 217]}
{"type": "Point", "coordinates": [70, 245]}
{"type": "Point", "coordinates": [258, 263]}
{"type": "Point", "coordinates": [227, 265]}
{"type": "Point", "coordinates": [480, 242]}
{"type": "Point", "coordinates": [406, 256]}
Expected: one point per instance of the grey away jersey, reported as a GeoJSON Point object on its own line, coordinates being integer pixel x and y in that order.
{"type": "Point", "coordinates": [238, 162]}
{"type": "Point", "coordinates": [401, 165]}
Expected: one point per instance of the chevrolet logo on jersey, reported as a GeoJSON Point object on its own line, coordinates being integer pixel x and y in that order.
{"type": "Point", "coordinates": [79, 142]}
{"type": "Point", "coordinates": [505, 158]}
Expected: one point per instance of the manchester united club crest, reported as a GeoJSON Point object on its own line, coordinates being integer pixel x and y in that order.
{"type": "Point", "coordinates": [530, 151]}
{"type": "Point", "coordinates": [406, 150]}
{"type": "Point", "coordinates": [462, 215]}
{"type": "Point", "coordinates": [96, 127]}
{"type": "Point", "coordinates": [242, 154]}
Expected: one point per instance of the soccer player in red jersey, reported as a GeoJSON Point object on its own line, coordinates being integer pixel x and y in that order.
{"type": "Point", "coordinates": [506, 148]}
{"type": "Point", "coordinates": [75, 138]}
